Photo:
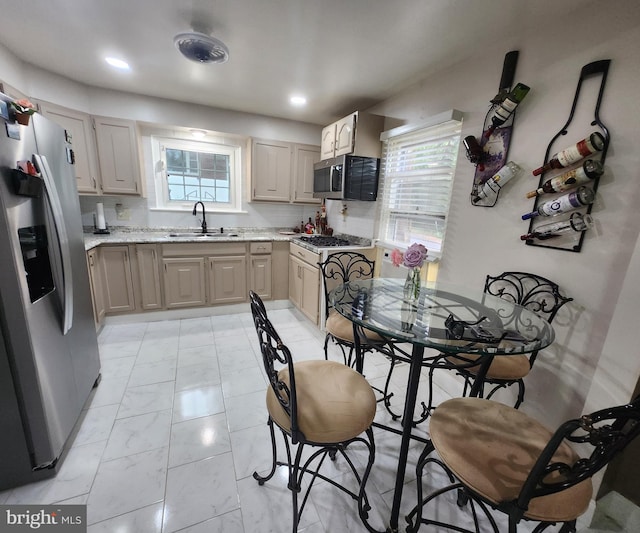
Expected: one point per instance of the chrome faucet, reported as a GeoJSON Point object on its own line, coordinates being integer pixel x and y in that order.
{"type": "Point", "coordinates": [204, 220]}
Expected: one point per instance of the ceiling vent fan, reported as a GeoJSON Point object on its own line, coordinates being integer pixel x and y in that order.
{"type": "Point", "coordinates": [201, 48]}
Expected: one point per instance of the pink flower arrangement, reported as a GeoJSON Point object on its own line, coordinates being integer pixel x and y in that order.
{"type": "Point", "coordinates": [23, 106]}
{"type": "Point", "coordinates": [414, 257]}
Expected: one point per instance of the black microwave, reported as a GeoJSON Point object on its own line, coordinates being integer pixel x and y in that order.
{"type": "Point", "coordinates": [347, 177]}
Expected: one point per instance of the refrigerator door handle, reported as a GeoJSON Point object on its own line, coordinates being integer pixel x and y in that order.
{"type": "Point", "coordinates": [63, 240]}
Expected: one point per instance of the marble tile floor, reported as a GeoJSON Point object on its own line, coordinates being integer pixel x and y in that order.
{"type": "Point", "coordinates": [171, 436]}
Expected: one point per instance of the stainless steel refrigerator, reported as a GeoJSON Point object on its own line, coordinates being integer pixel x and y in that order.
{"type": "Point", "coordinates": [49, 359]}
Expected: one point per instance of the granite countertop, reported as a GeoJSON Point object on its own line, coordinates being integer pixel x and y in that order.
{"type": "Point", "coordinates": [173, 235]}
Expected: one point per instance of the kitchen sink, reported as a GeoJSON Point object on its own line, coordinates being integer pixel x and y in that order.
{"type": "Point", "coordinates": [198, 234]}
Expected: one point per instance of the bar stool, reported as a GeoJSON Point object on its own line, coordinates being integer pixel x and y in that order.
{"type": "Point", "coordinates": [500, 459]}
{"type": "Point", "coordinates": [537, 294]}
{"type": "Point", "coordinates": [324, 405]}
{"type": "Point", "coordinates": [338, 269]}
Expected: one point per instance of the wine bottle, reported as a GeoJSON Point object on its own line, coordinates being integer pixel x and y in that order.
{"type": "Point", "coordinates": [493, 185]}
{"type": "Point", "coordinates": [575, 224]}
{"type": "Point", "coordinates": [578, 198]}
{"type": "Point", "coordinates": [584, 148]}
{"type": "Point", "coordinates": [507, 107]}
{"type": "Point", "coordinates": [589, 170]}
{"type": "Point", "coordinates": [475, 153]}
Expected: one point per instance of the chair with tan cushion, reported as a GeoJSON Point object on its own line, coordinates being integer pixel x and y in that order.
{"type": "Point", "coordinates": [321, 404]}
{"type": "Point", "coordinates": [500, 459]}
{"type": "Point", "coordinates": [531, 291]}
{"type": "Point", "coordinates": [352, 267]}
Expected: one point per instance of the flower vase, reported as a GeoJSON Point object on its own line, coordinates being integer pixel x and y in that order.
{"type": "Point", "coordinates": [23, 118]}
{"type": "Point", "coordinates": [412, 285]}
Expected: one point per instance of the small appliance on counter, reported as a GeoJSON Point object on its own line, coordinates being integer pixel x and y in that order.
{"type": "Point", "coordinates": [99, 222]}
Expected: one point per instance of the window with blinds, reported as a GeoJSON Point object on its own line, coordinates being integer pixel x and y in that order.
{"type": "Point", "coordinates": [417, 171]}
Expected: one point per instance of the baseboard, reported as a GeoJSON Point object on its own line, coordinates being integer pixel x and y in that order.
{"type": "Point", "coordinates": [194, 312]}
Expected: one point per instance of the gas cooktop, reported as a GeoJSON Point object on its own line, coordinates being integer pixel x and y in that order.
{"type": "Point", "coordinates": [322, 241]}
{"type": "Point", "coordinates": [317, 242]}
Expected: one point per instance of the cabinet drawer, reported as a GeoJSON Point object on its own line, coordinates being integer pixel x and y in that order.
{"type": "Point", "coordinates": [261, 247]}
{"type": "Point", "coordinates": [305, 255]}
{"type": "Point", "coordinates": [203, 249]}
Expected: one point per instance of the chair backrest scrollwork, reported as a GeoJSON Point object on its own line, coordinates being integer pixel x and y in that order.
{"type": "Point", "coordinates": [276, 354]}
{"type": "Point", "coordinates": [607, 432]}
{"type": "Point", "coordinates": [342, 267]}
{"type": "Point", "coordinates": [535, 293]}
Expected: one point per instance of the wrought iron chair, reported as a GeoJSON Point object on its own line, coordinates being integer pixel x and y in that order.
{"type": "Point", "coordinates": [338, 269]}
{"type": "Point", "coordinates": [321, 404]}
{"type": "Point", "coordinates": [531, 291]}
{"type": "Point", "coordinates": [500, 459]}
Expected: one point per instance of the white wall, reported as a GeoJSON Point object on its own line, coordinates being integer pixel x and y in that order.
{"type": "Point", "coordinates": [486, 240]}
{"type": "Point", "coordinates": [44, 85]}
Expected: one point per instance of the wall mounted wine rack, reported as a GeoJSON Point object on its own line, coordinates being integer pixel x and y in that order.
{"type": "Point", "coordinates": [494, 143]}
{"type": "Point", "coordinates": [572, 242]}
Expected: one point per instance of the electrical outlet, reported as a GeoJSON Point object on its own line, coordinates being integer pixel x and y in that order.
{"type": "Point", "coordinates": [123, 213]}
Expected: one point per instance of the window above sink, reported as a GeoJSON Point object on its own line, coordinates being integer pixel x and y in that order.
{"type": "Point", "coordinates": [189, 171]}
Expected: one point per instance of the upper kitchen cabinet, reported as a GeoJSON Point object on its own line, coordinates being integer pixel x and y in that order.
{"type": "Point", "coordinates": [11, 91]}
{"type": "Point", "coordinates": [119, 162]}
{"type": "Point", "coordinates": [357, 133]}
{"type": "Point", "coordinates": [283, 171]}
{"type": "Point", "coordinates": [78, 125]}
{"type": "Point", "coordinates": [304, 157]}
{"type": "Point", "coordinates": [270, 170]}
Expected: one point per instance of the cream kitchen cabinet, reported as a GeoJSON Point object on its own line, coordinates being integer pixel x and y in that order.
{"type": "Point", "coordinates": [282, 171]}
{"type": "Point", "coordinates": [271, 170]}
{"type": "Point", "coordinates": [149, 277]}
{"type": "Point", "coordinates": [260, 280]}
{"type": "Point", "coordinates": [304, 281]}
{"type": "Point", "coordinates": [204, 274]}
{"type": "Point", "coordinates": [357, 133]}
{"type": "Point", "coordinates": [79, 126]}
{"type": "Point", "coordinates": [94, 259]}
{"type": "Point", "coordinates": [118, 156]}
{"type": "Point", "coordinates": [280, 270]}
{"type": "Point", "coordinates": [304, 157]}
{"type": "Point", "coordinates": [118, 281]}
{"type": "Point", "coordinates": [228, 279]}
{"type": "Point", "coordinates": [11, 91]}
{"type": "Point", "coordinates": [184, 282]}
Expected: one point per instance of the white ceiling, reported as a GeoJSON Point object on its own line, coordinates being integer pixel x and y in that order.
{"type": "Point", "coordinates": [342, 54]}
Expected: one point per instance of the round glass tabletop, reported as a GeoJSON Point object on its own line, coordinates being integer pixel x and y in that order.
{"type": "Point", "coordinates": [446, 317]}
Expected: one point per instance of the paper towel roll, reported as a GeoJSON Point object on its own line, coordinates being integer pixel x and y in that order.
{"type": "Point", "coordinates": [100, 221]}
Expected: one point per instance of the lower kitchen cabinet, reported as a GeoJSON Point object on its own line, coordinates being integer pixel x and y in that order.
{"type": "Point", "coordinates": [304, 287]}
{"type": "Point", "coordinates": [118, 281]}
{"type": "Point", "coordinates": [152, 277]}
{"type": "Point", "coordinates": [204, 274]}
{"type": "Point", "coordinates": [149, 277]}
{"type": "Point", "coordinates": [280, 270]}
{"type": "Point", "coordinates": [227, 279]}
{"type": "Point", "coordinates": [184, 282]}
{"type": "Point", "coordinates": [96, 285]}
{"type": "Point", "coordinates": [260, 280]}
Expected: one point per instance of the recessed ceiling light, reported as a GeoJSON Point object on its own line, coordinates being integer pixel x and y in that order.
{"type": "Point", "coordinates": [198, 134]}
{"type": "Point", "coordinates": [298, 100]}
{"type": "Point", "coordinates": [117, 63]}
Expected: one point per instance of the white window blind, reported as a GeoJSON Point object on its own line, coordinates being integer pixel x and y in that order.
{"type": "Point", "coordinates": [417, 174]}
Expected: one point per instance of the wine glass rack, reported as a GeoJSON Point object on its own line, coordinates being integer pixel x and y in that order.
{"type": "Point", "coordinates": [573, 242]}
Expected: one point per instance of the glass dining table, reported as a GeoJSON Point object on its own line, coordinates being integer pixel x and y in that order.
{"type": "Point", "coordinates": [451, 319]}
